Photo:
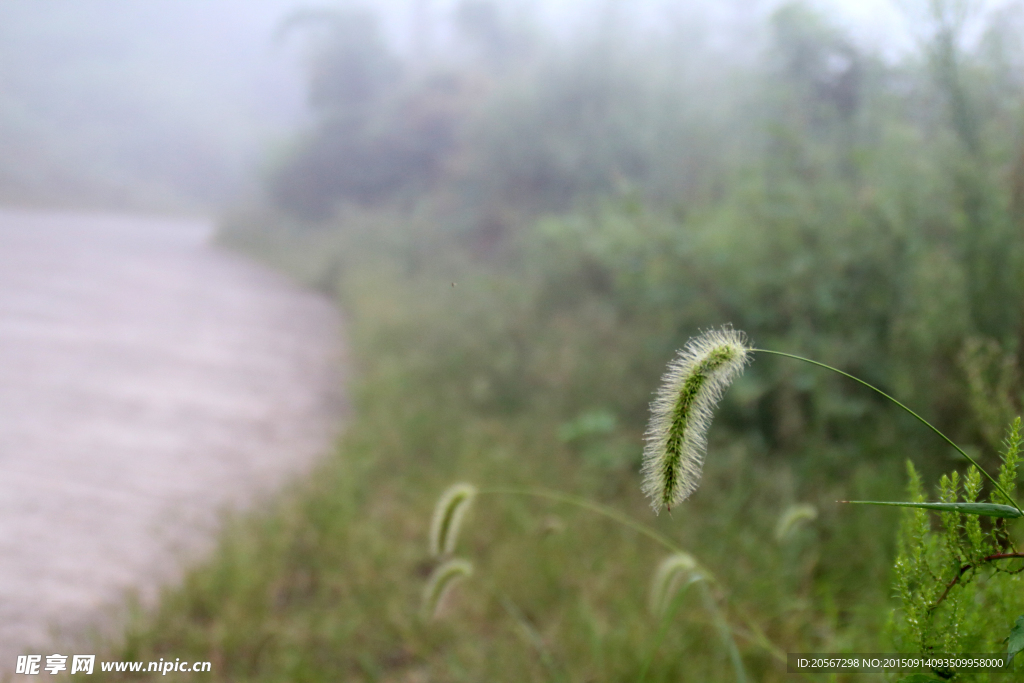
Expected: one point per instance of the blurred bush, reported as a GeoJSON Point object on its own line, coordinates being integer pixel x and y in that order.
{"type": "Point", "coordinates": [633, 193]}
{"type": "Point", "coordinates": [619, 192]}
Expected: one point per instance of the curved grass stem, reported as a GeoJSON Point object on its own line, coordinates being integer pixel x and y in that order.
{"type": "Point", "coordinates": [663, 624]}
{"type": "Point", "coordinates": [726, 634]}
{"type": "Point", "coordinates": [578, 501]}
{"type": "Point", "coordinates": [756, 636]}
{"type": "Point", "coordinates": [904, 407]}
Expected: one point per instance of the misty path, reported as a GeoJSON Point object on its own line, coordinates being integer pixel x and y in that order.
{"type": "Point", "coordinates": [147, 381]}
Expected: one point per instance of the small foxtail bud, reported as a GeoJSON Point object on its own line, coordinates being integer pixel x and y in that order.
{"type": "Point", "coordinates": [674, 572]}
{"type": "Point", "coordinates": [449, 512]}
{"type": "Point", "coordinates": [441, 580]}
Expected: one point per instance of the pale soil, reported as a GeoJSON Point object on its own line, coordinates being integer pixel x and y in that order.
{"type": "Point", "coordinates": [147, 381]}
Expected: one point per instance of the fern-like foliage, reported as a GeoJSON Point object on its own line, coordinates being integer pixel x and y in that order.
{"type": "Point", "coordinates": [959, 582]}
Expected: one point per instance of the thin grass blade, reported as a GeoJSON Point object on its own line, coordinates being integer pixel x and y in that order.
{"type": "Point", "coordinates": [982, 509]}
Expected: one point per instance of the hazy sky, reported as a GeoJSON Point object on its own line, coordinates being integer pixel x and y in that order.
{"type": "Point", "coordinates": [193, 93]}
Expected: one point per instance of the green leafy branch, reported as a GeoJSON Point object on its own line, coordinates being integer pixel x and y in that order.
{"type": "Point", "coordinates": [936, 569]}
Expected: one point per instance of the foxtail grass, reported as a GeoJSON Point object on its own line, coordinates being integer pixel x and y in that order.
{"type": "Point", "coordinates": [793, 517]}
{"type": "Point", "coordinates": [673, 573]}
{"type": "Point", "coordinates": [450, 510]}
{"type": "Point", "coordinates": [678, 571]}
{"type": "Point", "coordinates": [681, 414]}
{"type": "Point", "coordinates": [440, 583]}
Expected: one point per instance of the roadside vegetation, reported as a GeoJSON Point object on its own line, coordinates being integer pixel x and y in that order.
{"type": "Point", "coordinates": [521, 231]}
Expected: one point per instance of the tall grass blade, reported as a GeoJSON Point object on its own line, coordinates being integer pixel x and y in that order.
{"type": "Point", "coordinates": [1002, 491]}
{"type": "Point", "coordinates": [725, 632]}
{"type": "Point", "coordinates": [535, 639]}
{"type": "Point", "coordinates": [982, 509]}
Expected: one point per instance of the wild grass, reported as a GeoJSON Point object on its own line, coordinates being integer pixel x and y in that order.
{"type": "Point", "coordinates": [328, 584]}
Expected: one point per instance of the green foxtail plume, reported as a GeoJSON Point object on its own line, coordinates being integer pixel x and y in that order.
{"type": "Point", "coordinates": [449, 512]}
{"type": "Point", "coordinates": [681, 413]}
{"type": "Point", "coordinates": [675, 571]}
{"type": "Point", "coordinates": [792, 517]}
{"type": "Point", "coordinates": [440, 583]}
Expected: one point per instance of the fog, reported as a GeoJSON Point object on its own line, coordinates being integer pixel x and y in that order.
{"type": "Point", "coordinates": [119, 103]}
{"type": "Point", "coordinates": [185, 104]}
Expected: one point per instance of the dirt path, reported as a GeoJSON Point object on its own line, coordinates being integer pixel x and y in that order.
{"type": "Point", "coordinates": [147, 380]}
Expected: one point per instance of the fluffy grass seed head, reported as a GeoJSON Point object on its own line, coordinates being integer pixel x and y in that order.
{"type": "Point", "coordinates": [675, 572]}
{"type": "Point", "coordinates": [682, 410]}
{"type": "Point", "coordinates": [449, 512]}
{"type": "Point", "coordinates": [792, 518]}
{"type": "Point", "coordinates": [441, 580]}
